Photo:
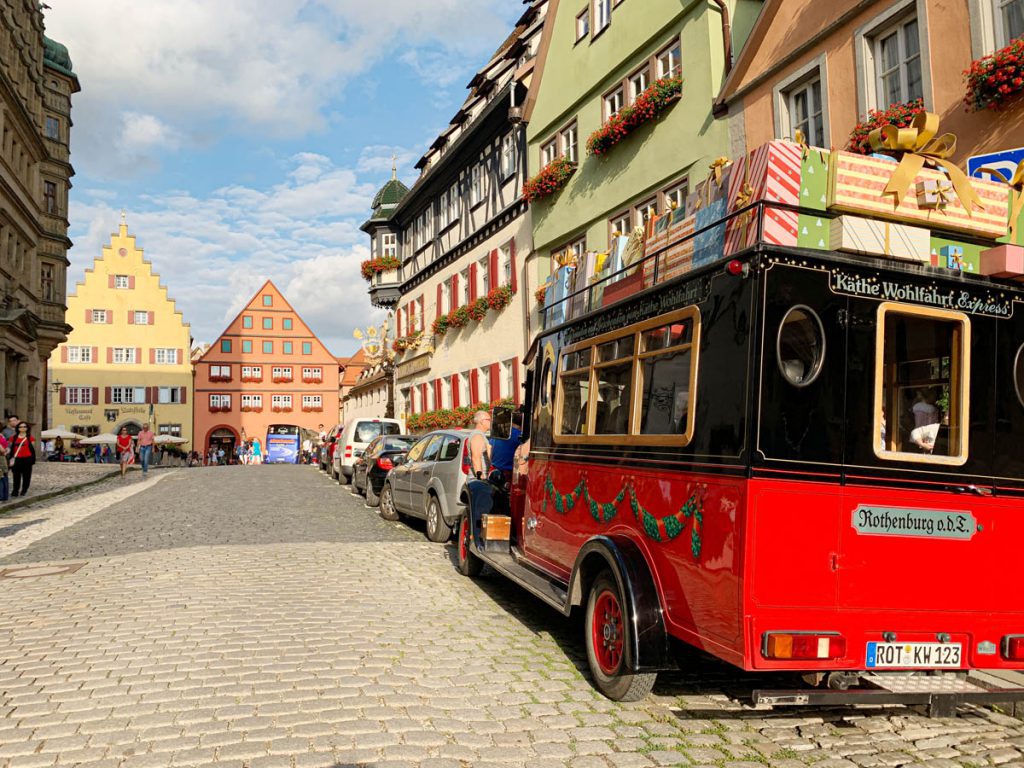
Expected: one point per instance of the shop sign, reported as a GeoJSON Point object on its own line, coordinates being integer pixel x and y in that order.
{"type": "Point", "coordinates": [420, 364]}
{"type": "Point", "coordinates": [919, 523]}
{"type": "Point", "coordinates": [962, 299]}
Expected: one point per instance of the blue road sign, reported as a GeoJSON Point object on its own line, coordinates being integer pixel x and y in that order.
{"type": "Point", "coordinates": [1005, 162]}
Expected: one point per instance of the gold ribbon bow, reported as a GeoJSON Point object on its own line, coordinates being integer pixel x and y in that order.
{"type": "Point", "coordinates": [1016, 183]}
{"type": "Point", "coordinates": [717, 167]}
{"type": "Point", "coordinates": [566, 258]}
{"type": "Point", "coordinates": [917, 147]}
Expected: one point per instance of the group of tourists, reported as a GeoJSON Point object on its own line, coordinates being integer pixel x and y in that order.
{"type": "Point", "coordinates": [17, 457]}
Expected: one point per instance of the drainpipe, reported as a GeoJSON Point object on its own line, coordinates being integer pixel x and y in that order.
{"type": "Point", "coordinates": [726, 34]}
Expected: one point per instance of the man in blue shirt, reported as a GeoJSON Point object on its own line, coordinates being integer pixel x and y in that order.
{"type": "Point", "coordinates": [503, 452]}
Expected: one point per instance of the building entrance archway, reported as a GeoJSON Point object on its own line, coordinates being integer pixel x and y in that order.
{"type": "Point", "coordinates": [133, 427]}
{"type": "Point", "coordinates": [222, 438]}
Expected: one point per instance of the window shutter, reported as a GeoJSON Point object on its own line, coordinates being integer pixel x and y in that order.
{"type": "Point", "coordinates": [455, 291]}
{"type": "Point", "coordinates": [438, 399]}
{"type": "Point", "coordinates": [95, 395]}
{"type": "Point", "coordinates": [439, 298]}
{"type": "Point", "coordinates": [131, 317]}
{"type": "Point", "coordinates": [493, 278]}
{"type": "Point", "coordinates": [63, 395]}
{"type": "Point", "coordinates": [88, 315]}
{"type": "Point", "coordinates": [455, 390]}
{"type": "Point", "coordinates": [138, 354]}
{"type": "Point", "coordinates": [95, 354]}
{"type": "Point", "coordinates": [516, 394]}
{"type": "Point", "coordinates": [179, 357]}
{"type": "Point", "coordinates": [472, 283]}
{"type": "Point", "coordinates": [63, 354]}
{"type": "Point", "coordinates": [110, 317]}
{"type": "Point", "coordinates": [152, 356]}
{"type": "Point", "coordinates": [106, 395]}
{"type": "Point", "coordinates": [423, 397]}
{"type": "Point", "coordinates": [512, 262]}
{"type": "Point", "coordinates": [474, 387]}
{"type": "Point", "coordinates": [495, 381]}
{"type": "Point", "coordinates": [149, 320]}
{"type": "Point", "coordinates": [110, 281]}
{"type": "Point", "coordinates": [131, 281]}
{"type": "Point", "coordinates": [183, 394]}
{"type": "Point", "coordinates": [110, 356]}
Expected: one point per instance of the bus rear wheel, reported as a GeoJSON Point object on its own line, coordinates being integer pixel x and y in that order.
{"type": "Point", "coordinates": [606, 639]}
{"type": "Point", "coordinates": [469, 564]}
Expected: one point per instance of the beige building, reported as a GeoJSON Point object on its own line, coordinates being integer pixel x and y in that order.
{"type": "Point", "coordinates": [36, 85]}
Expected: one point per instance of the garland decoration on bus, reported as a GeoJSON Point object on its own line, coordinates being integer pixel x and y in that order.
{"type": "Point", "coordinates": [661, 529]}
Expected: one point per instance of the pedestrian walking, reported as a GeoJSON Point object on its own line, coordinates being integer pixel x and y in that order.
{"type": "Point", "coordinates": [11, 429]}
{"type": "Point", "coordinates": [5, 492]}
{"type": "Point", "coordinates": [125, 452]}
{"type": "Point", "coordinates": [97, 454]}
{"type": "Point", "coordinates": [145, 438]}
{"type": "Point", "coordinates": [257, 451]}
{"type": "Point", "coordinates": [22, 459]}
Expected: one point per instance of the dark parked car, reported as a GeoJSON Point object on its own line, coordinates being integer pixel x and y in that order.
{"type": "Point", "coordinates": [428, 482]}
{"type": "Point", "coordinates": [372, 467]}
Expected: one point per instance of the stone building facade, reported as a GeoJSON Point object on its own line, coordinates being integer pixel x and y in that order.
{"type": "Point", "coordinates": [36, 86]}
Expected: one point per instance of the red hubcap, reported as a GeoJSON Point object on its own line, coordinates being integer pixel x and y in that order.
{"type": "Point", "coordinates": [464, 541]}
{"type": "Point", "coordinates": [606, 629]}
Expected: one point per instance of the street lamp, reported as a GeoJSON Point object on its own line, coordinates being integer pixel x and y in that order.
{"type": "Point", "coordinates": [54, 389]}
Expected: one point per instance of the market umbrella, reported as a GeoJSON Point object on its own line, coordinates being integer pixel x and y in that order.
{"type": "Point", "coordinates": [169, 440]}
{"type": "Point", "coordinates": [63, 434]}
{"type": "Point", "coordinates": [108, 438]}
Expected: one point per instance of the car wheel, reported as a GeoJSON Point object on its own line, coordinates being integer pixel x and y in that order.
{"type": "Point", "coordinates": [437, 529]}
{"type": "Point", "coordinates": [387, 504]}
{"type": "Point", "coordinates": [607, 639]}
{"type": "Point", "coordinates": [344, 479]}
{"type": "Point", "coordinates": [469, 564]}
{"type": "Point", "coordinates": [372, 499]}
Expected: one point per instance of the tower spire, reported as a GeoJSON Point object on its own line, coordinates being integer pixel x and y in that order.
{"type": "Point", "coordinates": [394, 167]}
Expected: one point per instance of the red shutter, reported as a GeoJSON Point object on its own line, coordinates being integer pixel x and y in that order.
{"type": "Point", "coordinates": [184, 395]}
{"type": "Point", "coordinates": [439, 298]}
{"type": "Point", "coordinates": [95, 395]}
{"type": "Point", "coordinates": [110, 317]}
{"type": "Point", "coordinates": [110, 281]}
{"type": "Point", "coordinates": [179, 357]}
{"type": "Point", "coordinates": [131, 317]}
{"type": "Point", "coordinates": [152, 357]}
{"type": "Point", "coordinates": [63, 395]}
{"type": "Point", "coordinates": [516, 394]}
{"type": "Point", "coordinates": [131, 281]}
{"type": "Point", "coordinates": [472, 283]}
{"type": "Point", "coordinates": [455, 291]}
{"type": "Point", "coordinates": [106, 395]}
{"type": "Point", "coordinates": [149, 320]}
{"type": "Point", "coordinates": [493, 280]}
{"type": "Point", "coordinates": [474, 387]}
{"type": "Point", "coordinates": [423, 397]}
{"type": "Point", "coordinates": [63, 354]}
{"type": "Point", "coordinates": [455, 390]}
{"type": "Point", "coordinates": [512, 262]}
{"type": "Point", "coordinates": [438, 397]}
{"type": "Point", "coordinates": [95, 354]}
{"type": "Point", "coordinates": [398, 324]}
{"type": "Point", "coordinates": [138, 354]}
{"type": "Point", "coordinates": [110, 355]}
{"type": "Point", "coordinates": [88, 315]}
{"type": "Point", "coordinates": [495, 381]}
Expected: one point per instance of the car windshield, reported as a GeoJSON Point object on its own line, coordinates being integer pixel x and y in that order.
{"type": "Point", "coordinates": [367, 431]}
{"type": "Point", "coordinates": [399, 443]}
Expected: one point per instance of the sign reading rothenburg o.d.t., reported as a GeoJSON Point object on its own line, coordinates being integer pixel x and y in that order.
{"type": "Point", "coordinates": [922, 523]}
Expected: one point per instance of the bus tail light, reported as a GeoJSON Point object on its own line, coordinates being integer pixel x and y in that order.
{"type": "Point", "coordinates": [803, 645]}
{"type": "Point", "coordinates": [1013, 647]}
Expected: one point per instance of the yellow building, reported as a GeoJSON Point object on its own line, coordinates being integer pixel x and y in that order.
{"type": "Point", "coordinates": [127, 360]}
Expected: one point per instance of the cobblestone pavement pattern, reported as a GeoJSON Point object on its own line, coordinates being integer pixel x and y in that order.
{"type": "Point", "coordinates": [258, 617]}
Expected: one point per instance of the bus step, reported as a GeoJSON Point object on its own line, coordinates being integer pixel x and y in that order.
{"type": "Point", "coordinates": [901, 683]}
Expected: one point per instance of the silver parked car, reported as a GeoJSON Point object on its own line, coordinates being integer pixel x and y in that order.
{"type": "Point", "coordinates": [428, 483]}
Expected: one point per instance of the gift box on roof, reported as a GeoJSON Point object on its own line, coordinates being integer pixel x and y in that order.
{"type": "Point", "coordinates": [709, 245]}
{"type": "Point", "coordinates": [855, 234]}
{"type": "Point", "coordinates": [658, 237]}
{"type": "Point", "coordinates": [676, 260]}
{"type": "Point", "coordinates": [616, 255]}
{"type": "Point", "coordinates": [1015, 227]}
{"type": "Point", "coordinates": [932, 193]}
{"type": "Point", "coordinates": [955, 254]}
{"type": "Point", "coordinates": [1006, 260]}
{"type": "Point", "coordinates": [623, 288]}
{"type": "Point", "coordinates": [714, 187]}
{"type": "Point", "coordinates": [770, 174]}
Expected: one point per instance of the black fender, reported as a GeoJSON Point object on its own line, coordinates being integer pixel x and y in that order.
{"type": "Point", "coordinates": [648, 650]}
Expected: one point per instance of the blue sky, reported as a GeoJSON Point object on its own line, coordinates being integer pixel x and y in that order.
{"type": "Point", "coordinates": [246, 138]}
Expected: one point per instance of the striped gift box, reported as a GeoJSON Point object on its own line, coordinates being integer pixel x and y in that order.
{"type": "Point", "coordinates": [773, 173]}
{"type": "Point", "coordinates": [857, 184]}
{"type": "Point", "coordinates": [678, 258]}
{"type": "Point", "coordinates": [659, 236]}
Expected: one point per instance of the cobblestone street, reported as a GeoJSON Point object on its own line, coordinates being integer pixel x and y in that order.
{"type": "Point", "coordinates": [263, 617]}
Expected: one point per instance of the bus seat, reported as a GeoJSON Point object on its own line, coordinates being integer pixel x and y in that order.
{"type": "Point", "coordinates": [794, 369]}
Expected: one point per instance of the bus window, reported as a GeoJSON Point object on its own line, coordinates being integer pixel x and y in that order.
{"type": "Point", "coordinates": [800, 347]}
{"type": "Point", "coordinates": [665, 380]}
{"type": "Point", "coordinates": [921, 389]}
{"type": "Point", "coordinates": [613, 373]}
{"type": "Point", "coordinates": [575, 396]}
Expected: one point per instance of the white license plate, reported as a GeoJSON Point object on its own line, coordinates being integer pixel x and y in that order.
{"type": "Point", "coordinates": [914, 655]}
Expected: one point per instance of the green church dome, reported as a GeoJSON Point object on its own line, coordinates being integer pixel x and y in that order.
{"type": "Point", "coordinates": [56, 55]}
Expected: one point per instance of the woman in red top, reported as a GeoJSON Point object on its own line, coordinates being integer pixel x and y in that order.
{"type": "Point", "coordinates": [125, 452]}
{"type": "Point", "coordinates": [22, 458]}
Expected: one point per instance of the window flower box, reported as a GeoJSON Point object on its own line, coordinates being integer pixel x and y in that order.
{"type": "Point", "coordinates": [312, 380]}
{"type": "Point", "coordinates": [658, 97]}
{"type": "Point", "coordinates": [282, 379]}
{"type": "Point", "coordinates": [996, 80]}
{"type": "Point", "coordinates": [312, 409]}
{"type": "Point", "coordinates": [452, 418]}
{"type": "Point", "coordinates": [372, 267]}
{"type": "Point", "coordinates": [478, 309]}
{"type": "Point", "coordinates": [440, 326]}
{"type": "Point", "coordinates": [282, 409]}
{"type": "Point", "coordinates": [550, 179]}
{"type": "Point", "coordinates": [220, 379]}
{"type": "Point", "coordinates": [540, 294]}
{"type": "Point", "coordinates": [499, 298]}
{"type": "Point", "coordinates": [901, 115]}
{"type": "Point", "coordinates": [252, 409]}
{"type": "Point", "coordinates": [251, 379]}
{"type": "Point", "coordinates": [220, 409]}
{"type": "Point", "coordinates": [403, 343]}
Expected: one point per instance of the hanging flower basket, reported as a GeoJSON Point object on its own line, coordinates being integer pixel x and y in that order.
{"type": "Point", "coordinates": [900, 114]}
{"type": "Point", "coordinates": [551, 178]}
{"type": "Point", "coordinates": [540, 293]}
{"type": "Point", "coordinates": [996, 80]}
{"type": "Point", "coordinates": [403, 343]}
{"type": "Point", "coordinates": [371, 267]}
{"type": "Point", "coordinates": [648, 105]}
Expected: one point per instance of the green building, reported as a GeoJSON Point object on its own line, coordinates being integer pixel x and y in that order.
{"type": "Point", "coordinates": [596, 57]}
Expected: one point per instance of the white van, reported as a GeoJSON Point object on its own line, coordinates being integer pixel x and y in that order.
{"type": "Point", "coordinates": [353, 439]}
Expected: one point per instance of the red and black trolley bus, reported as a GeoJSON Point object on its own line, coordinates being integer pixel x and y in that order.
{"type": "Point", "coordinates": [799, 460]}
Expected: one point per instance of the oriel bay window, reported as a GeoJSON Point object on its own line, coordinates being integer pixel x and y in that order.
{"type": "Point", "coordinates": [635, 386]}
{"type": "Point", "coordinates": [922, 357]}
